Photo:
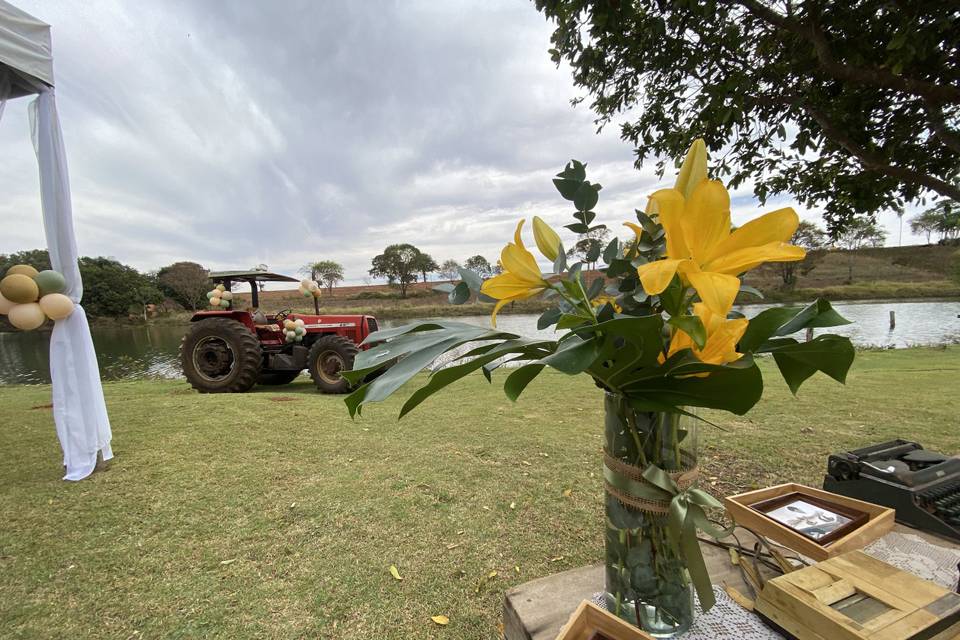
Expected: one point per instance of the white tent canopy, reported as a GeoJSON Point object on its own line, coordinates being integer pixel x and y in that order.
{"type": "Point", "coordinates": [26, 68]}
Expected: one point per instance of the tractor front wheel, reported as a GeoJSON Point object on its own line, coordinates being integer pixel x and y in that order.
{"type": "Point", "coordinates": [220, 355]}
{"type": "Point", "coordinates": [328, 357]}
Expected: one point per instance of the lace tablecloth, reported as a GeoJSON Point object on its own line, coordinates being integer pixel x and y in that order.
{"type": "Point", "coordinates": [904, 551]}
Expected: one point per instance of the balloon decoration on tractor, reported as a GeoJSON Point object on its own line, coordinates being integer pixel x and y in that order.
{"type": "Point", "coordinates": [220, 298]}
{"type": "Point", "coordinates": [309, 289]}
{"type": "Point", "coordinates": [29, 297]}
{"type": "Point", "coordinates": [294, 330]}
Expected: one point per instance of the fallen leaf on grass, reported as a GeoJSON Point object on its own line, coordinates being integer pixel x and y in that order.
{"type": "Point", "coordinates": [492, 574]}
{"type": "Point", "coordinates": [441, 620]}
{"type": "Point", "coordinates": [513, 505]}
{"type": "Point", "coordinates": [557, 559]}
{"type": "Point", "coordinates": [226, 562]}
{"type": "Point", "coordinates": [516, 568]}
{"type": "Point", "coordinates": [567, 493]}
{"type": "Point", "coordinates": [453, 545]}
{"type": "Point", "coordinates": [395, 573]}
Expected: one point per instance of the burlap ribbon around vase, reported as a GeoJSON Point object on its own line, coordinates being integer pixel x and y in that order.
{"type": "Point", "coordinates": [655, 491]}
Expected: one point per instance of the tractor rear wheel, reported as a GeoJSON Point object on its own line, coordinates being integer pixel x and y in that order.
{"type": "Point", "coordinates": [328, 357]}
{"type": "Point", "coordinates": [220, 355]}
{"type": "Point", "coordinates": [275, 378]}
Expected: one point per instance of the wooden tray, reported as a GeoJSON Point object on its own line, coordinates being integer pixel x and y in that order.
{"type": "Point", "coordinates": [589, 618]}
{"type": "Point", "coordinates": [880, 523]}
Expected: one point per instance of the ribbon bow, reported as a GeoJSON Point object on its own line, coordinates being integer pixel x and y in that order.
{"type": "Point", "coordinates": [685, 517]}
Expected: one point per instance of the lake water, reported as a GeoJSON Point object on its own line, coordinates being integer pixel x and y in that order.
{"type": "Point", "coordinates": [151, 352]}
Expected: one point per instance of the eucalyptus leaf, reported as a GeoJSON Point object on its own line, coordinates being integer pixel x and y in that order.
{"type": "Point", "coordinates": [460, 294]}
{"type": "Point", "coordinates": [473, 280]}
{"type": "Point", "coordinates": [586, 196]}
{"type": "Point", "coordinates": [445, 287]}
{"type": "Point", "coordinates": [567, 188]}
{"type": "Point", "coordinates": [612, 251]}
{"type": "Point", "coordinates": [548, 318]}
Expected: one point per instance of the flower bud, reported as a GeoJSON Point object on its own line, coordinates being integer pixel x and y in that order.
{"type": "Point", "coordinates": [547, 239]}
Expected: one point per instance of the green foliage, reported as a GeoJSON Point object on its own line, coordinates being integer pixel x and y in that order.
{"type": "Point", "coordinates": [955, 266]}
{"type": "Point", "coordinates": [943, 219]}
{"type": "Point", "coordinates": [812, 238]}
{"type": "Point", "coordinates": [39, 259]}
{"type": "Point", "coordinates": [479, 265]}
{"type": "Point", "coordinates": [426, 265]}
{"type": "Point", "coordinates": [399, 264]}
{"type": "Point", "coordinates": [114, 289]}
{"type": "Point", "coordinates": [850, 105]}
{"type": "Point", "coordinates": [186, 282]}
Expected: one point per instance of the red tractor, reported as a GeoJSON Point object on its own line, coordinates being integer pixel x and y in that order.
{"type": "Point", "coordinates": [231, 350]}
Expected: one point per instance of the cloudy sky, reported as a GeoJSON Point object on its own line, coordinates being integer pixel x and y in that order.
{"type": "Point", "coordinates": [240, 133]}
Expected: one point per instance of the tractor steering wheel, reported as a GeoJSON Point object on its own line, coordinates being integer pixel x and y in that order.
{"type": "Point", "coordinates": [282, 315]}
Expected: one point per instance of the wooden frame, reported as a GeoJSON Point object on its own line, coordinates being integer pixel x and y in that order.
{"type": "Point", "coordinates": [856, 517]}
{"type": "Point", "coordinates": [589, 620]}
{"type": "Point", "coordinates": [741, 508]}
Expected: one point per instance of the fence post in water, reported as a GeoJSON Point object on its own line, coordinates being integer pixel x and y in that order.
{"type": "Point", "coordinates": [893, 320]}
{"type": "Point", "coordinates": [809, 334]}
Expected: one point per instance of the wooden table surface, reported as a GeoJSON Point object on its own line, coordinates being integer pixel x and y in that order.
{"type": "Point", "coordinates": [537, 609]}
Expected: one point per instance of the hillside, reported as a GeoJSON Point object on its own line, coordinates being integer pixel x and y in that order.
{"type": "Point", "coordinates": [890, 272]}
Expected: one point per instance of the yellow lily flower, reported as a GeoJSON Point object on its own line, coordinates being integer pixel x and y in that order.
{"type": "Point", "coordinates": [521, 277]}
{"type": "Point", "coordinates": [547, 239]}
{"type": "Point", "coordinates": [702, 250]}
{"type": "Point", "coordinates": [722, 338]}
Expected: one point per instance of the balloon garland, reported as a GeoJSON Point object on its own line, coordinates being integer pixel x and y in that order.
{"type": "Point", "coordinates": [309, 289]}
{"type": "Point", "coordinates": [28, 297]}
{"type": "Point", "coordinates": [220, 298]}
{"type": "Point", "coordinates": [294, 330]}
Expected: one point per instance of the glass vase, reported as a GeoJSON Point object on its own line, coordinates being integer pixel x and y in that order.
{"type": "Point", "coordinates": [647, 583]}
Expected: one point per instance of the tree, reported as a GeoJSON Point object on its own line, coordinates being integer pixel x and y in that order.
{"type": "Point", "coordinates": [426, 265]}
{"type": "Point", "coordinates": [859, 234]}
{"type": "Point", "coordinates": [812, 238]}
{"type": "Point", "coordinates": [112, 289]}
{"type": "Point", "coordinates": [325, 272]}
{"type": "Point", "coordinates": [946, 217]}
{"type": "Point", "coordinates": [925, 223]}
{"type": "Point", "coordinates": [480, 265]}
{"type": "Point", "coordinates": [851, 104]}
{"type": "Point", "coordinates": [39, 259]}
{"type": "Point", "coordinates": [450, 270]}
{"type": "Point", "coordinates": [399, 265]}
{"type": "Point", "coordinates": [186, 282]}
{"type": "Point", "coordinates": [589, 244]}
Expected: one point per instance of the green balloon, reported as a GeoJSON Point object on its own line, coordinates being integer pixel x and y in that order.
{"type": "Point", "coordinates": [50, 282]}
{"type": "Point", "coordinates": [225, 304]}
{"type": "Point", "coordinates": [210, 294]}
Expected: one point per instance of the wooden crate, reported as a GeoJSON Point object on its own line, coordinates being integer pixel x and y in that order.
{"type": "Point", "coordinates": [856, 597]}
{"type": "Point", "coordinates": [589, 618]}
{"type": "Point", "coordinates": [880, 523]}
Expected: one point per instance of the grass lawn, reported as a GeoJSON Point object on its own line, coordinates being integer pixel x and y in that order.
{"type": "Point", "coordinates": [272, 515]}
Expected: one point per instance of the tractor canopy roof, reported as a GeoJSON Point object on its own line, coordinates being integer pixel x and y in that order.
{"type": "Point", "coordinates": [259, 276]}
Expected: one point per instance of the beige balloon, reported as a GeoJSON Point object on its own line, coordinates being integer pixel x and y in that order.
{"type": "Point", "coordinates": [227, 295]}
{"type": "Point", "coordinates": [23, 269]}
{"type": "Point", "coordinates": [214, 302]}
{"type": "Point", "coordinates": [5, 305]}
{"type": "Point", "coordinates": [56, 305]}
{"type": "Point", "coordinates": [26, 316]}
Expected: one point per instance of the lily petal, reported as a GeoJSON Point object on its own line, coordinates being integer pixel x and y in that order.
{"type": "Point", "coordinates": [737, 262]}
{"type": "Point", "coordinates": [776, 226]}
{"type": "Point", "coordinates": [706, 218]}
{"type": "Point", "coordinates": [655, 276]}
{"type": "Point", "coordinates": [500, 303]}
{"type": "Point", "coordinates": [716, 290]}
{"type": "Point", "coordinates": [506, 285]}
{"type": "Point", "coordinates": [517, 260]}
{"type": "Point", "coordinates": [669, 205]}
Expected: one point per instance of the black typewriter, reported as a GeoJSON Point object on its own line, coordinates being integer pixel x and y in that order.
{"type": "Point", "coordinates": [923, 486]}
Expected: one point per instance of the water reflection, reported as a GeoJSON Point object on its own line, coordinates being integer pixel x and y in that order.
{"type": "Point", "coordinates": [126, 352]}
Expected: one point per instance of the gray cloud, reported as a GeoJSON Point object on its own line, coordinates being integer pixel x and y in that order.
{"type": "Point", "coordinates": [245, 132]}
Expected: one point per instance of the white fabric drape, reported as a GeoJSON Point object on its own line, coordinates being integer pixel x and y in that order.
{"type": "Point", "coordinates": [79, 410]}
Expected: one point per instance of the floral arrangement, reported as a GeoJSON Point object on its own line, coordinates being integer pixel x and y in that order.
{"type": "Point", "coordinates": [658, 333]}
{"type": "Point", "coordinates": [29, 297]}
